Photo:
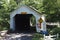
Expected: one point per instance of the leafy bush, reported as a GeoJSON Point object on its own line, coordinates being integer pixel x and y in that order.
{"type": "Point", "coordinates": [37, 37]}
{"type": "Point", "coordinates": [55, 31]}
{"type": "Point", "coordinates": [58, 39]}
{"type": "Point", "coordinates": [5, 9]}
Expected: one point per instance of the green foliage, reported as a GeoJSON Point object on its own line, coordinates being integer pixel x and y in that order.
{"type": "Point", "coordinates": [55, 31]}
{"type": "Point", "coordinates": [50, 6]}
{"type": "Point", "coordinates": [33, 20]}
{"type": "Point", "coordinates": [58, 39]}
{"type": "Point", "coordinates": [37, 37]}
{"type": "Point", "coordinates": [5, 8]}
{"type": "Point", "coordinates": [51, 9]}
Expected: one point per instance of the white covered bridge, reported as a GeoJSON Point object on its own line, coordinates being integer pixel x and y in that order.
{"type": "Point", "coordinates": [20, 19]}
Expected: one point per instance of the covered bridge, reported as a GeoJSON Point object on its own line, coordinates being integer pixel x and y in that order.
{"type": "Point", "coordinates": [20, 19]}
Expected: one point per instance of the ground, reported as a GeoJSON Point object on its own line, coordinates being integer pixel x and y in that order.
{"type": "Point", "coordinates": [17, 36]}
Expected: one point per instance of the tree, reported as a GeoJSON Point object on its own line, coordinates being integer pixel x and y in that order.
{"type": "Point", "coordinates": [51, 9]}
{"type": "Point", "coordinates": [5, 8]}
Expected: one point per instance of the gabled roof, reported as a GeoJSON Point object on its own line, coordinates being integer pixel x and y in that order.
{"type": "Point", "coordinates": [34, 9]}
{"type": "Point", "coordinates": [30, 8]}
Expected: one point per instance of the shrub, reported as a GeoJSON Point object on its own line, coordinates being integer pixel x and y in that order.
{"type": "Point", "coordinates": [37, 37]}
{"type": "Point", "coordinates": [58, 39]}
{"type": "Point", "coordinates": [55, 31]}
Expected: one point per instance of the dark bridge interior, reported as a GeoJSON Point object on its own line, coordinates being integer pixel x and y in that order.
{"type": "Point", "coordinates": [22, 22]}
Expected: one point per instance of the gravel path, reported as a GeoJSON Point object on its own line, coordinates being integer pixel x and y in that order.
{"type": "Point", "coordinates": [17, 36]}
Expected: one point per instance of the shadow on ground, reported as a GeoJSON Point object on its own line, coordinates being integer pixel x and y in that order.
{"type": "Point", "coordinates": [18, 35]}
{"type": "Point", "coordinates": [22, 38]}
